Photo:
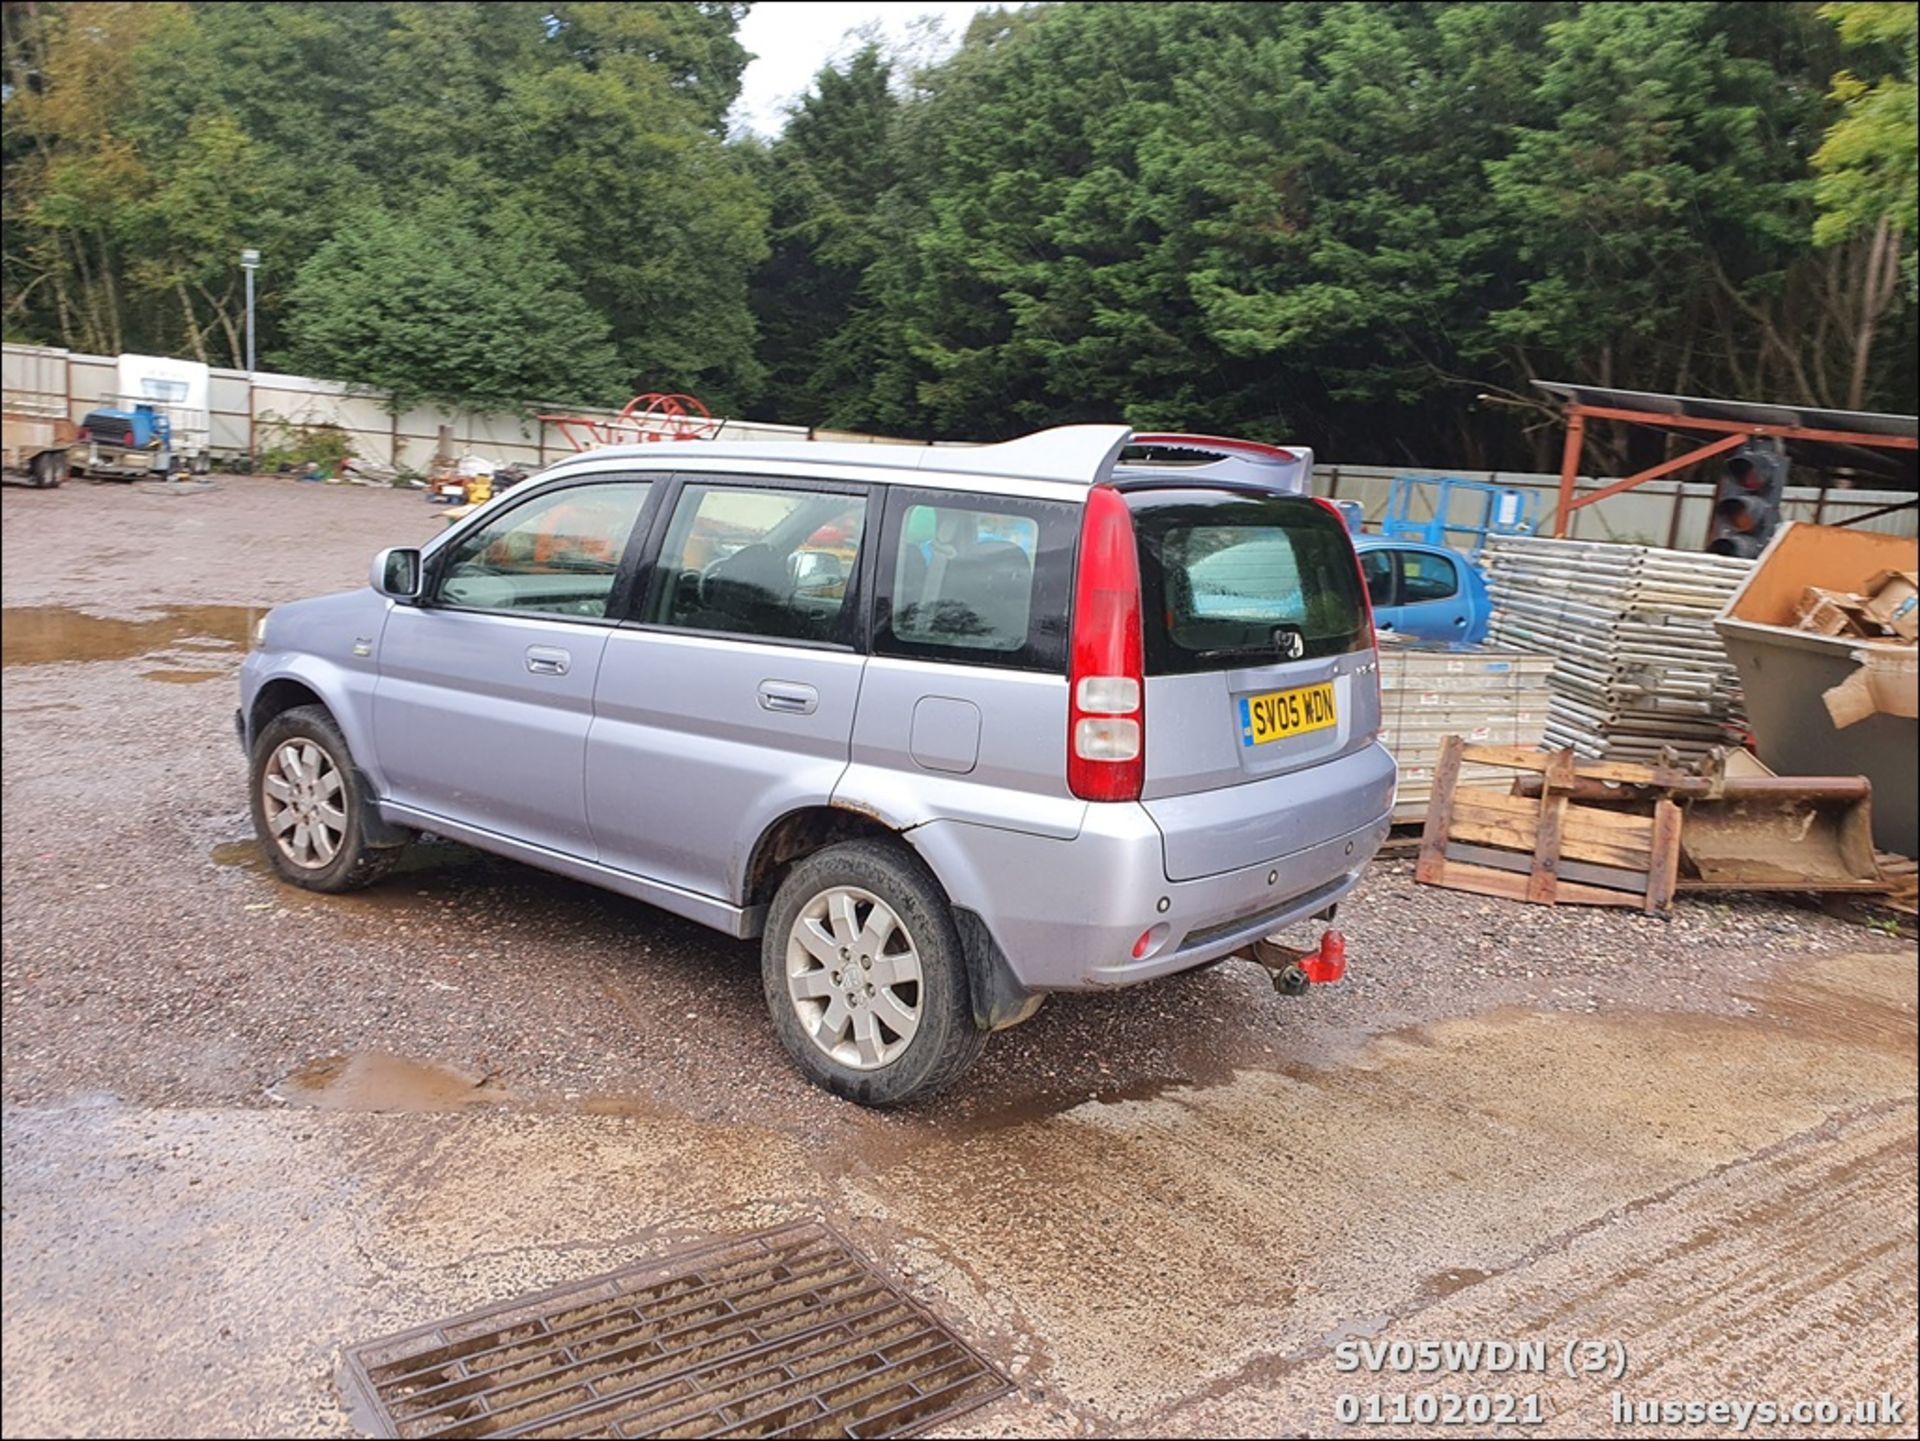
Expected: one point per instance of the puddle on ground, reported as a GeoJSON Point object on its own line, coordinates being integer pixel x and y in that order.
{"type": "Point", "coordinates": [393, 893]}
{"type": "Point", "coordinates": [43, 634]}
{"type": "Point", "coordinates": [376, 1081]}
{"type": "Point", "coordinates": [182, 677]}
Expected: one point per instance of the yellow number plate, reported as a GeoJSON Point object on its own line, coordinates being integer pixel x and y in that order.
{"type": "Point", "coordinates": [1282, 713]}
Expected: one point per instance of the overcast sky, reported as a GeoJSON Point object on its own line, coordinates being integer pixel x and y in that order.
{"type": "Point", "coordinates": [792, 39]}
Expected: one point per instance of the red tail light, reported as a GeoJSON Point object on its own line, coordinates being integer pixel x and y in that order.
{"type": "Point", "coordinates": [1107, 690]}
{"type": "Point", "coordinates": [130, 441]}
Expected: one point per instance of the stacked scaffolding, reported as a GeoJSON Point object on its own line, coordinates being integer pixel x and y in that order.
{"type": "Point", "coordinates": [1490, 695]}
{"type": "Point", "coordinates": [1638, 668]}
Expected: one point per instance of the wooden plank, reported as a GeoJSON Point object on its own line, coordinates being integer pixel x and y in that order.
{"type": "Point", "coordinates": [1558, 777]}
{"type": "Point", "coordinates": [1480, 880]}
{"type": "Point", "coordinates": [1433, 839]}
{"type": "Point", "coordinates": [1521, 759]}
{"type": "Point", "coordinates": [1619, 825]}
{"type": "Point", "coordinates": [1613, 878]}
{"type": "Point", "coordinates": [1546, 846]}
{"type": "Point", "coordinates": [1603, 838]}
{"type": "Point", "coordinates": [1663, 869]}
{"type": "Point", "coordinates": [1695, 883]}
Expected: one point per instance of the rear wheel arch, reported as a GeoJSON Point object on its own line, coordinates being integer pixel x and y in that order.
{"type": "Point", "coordinates": [999, 1000]}
{"type": "Point", "coordinates": [799, 834]}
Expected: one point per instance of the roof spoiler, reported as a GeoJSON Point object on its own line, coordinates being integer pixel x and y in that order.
{"type": "Point", "coordinates": [1221, 457]}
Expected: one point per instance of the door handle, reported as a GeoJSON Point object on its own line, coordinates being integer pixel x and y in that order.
{"type": "Point", "coordinates": [788, 697]}
{"type": "Point", "coordinates": [547, 660]}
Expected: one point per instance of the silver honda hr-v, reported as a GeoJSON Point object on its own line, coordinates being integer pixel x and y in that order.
{"type": "Point", "coordinates": [946, 728]}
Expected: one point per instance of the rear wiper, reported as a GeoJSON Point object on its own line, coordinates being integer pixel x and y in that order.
{"type": "Point", "coordinates": [1242, 652]}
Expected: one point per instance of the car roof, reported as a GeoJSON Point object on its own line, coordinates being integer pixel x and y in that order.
{"type": "Point", "coordinates": [1068, 454]}
{"type": "Point", "coordinates": [1058, 463]}
{"type": "Point", "coordinates": [1376, 541]}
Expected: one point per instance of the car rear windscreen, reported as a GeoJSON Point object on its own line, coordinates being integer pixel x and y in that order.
{"type": "Point", "coordinates": [1232, 579]}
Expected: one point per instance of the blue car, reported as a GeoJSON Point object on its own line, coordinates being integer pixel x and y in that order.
{"type": "Point", "coordinates": [1425, 591]}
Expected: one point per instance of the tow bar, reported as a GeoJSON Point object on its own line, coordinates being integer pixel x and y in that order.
{"type": "Point", "coordinates": [1295, 970]}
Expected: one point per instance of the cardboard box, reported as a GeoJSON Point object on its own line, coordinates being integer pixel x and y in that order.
{"type": "Point", "coordinates": [1828, 612]}
{"type": "Point", "coordinates": [1885, 682]}
{"type": "Point", "coordinates": [1891, 597]}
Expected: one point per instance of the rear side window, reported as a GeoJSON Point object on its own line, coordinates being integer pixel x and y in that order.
{"type": "Point", "coordinates": [1427, 577]}
{"type": "Point", "coordinates": [981, 580]}
{"type": "Point", "coordinates": [1228, 577]}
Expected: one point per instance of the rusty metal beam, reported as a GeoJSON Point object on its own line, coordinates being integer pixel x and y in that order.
{"type": "Point", "coordinates": [1746, 427]}
{"type": "Point", "coordinates": [1665, 467]}
{"type": "Point", "coordinates": [1569, 468]}
{"type": "Point", "coordinates": [1733, 432]}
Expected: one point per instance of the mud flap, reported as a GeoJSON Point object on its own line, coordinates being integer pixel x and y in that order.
{"type": "Point", "coordinates": [999, 1000]}
{"type": "Point", "coordinates": [381, 833]}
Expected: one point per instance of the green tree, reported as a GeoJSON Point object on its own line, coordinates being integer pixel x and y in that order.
{"type": "Point", "coordinates": [443, 312]}
{"type": "Point", "coordinates": [1867, 169]}
{"type": "Point", "coordinates": [1867, 163]}
{"type": "Point", "coordinates": [825, 175]}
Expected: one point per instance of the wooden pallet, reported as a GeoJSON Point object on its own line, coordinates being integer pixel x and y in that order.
{"type": "Point", "coordinates": [1549, 849]}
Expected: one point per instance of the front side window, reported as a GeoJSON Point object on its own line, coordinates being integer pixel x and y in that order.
{"type": "Point", "coordinates": [1427, 577]}
{"type": "Point", "coordinates": [761, 563]}
{"type": "Point", "coordinates": [557, 554]}
{"type": "Point", "coordinates": [976, 579]}
{"type": "Point", "coordinates": [1377, 567]}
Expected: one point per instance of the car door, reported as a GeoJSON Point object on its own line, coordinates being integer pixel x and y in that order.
{"type": "Point", "coordinates": [1433, 600]}
{"type": "Point", "coordinates": [727, 699]}
{"type": "Point", "coordinates": [486, 687]}
{"type": "Point", "coordinates": [1380, 568]}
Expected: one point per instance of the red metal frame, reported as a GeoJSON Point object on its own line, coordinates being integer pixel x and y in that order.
{"type": "Point", "coordinates": [1732, 433]}
{"type": "Point", "coordinates": [645, 418]}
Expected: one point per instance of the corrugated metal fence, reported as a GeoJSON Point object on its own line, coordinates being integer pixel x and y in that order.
{"type": "Point", "coordinates": [251, 415]}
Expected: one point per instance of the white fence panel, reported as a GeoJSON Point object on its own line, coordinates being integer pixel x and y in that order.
{"type": "Point", "coordinates": [92, 381]}
{"type": "Point", "coordinates": [230, 412]}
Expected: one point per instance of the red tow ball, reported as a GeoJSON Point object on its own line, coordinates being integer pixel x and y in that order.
{"type": "Point", "coordinates": [1327, 964]}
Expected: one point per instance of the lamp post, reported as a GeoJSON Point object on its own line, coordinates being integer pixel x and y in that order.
{"type": "Point", "coordinates": [249, 262]}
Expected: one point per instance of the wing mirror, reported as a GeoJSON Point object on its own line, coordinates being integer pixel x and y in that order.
{"type": "Point", "coordinates": [396, 573]}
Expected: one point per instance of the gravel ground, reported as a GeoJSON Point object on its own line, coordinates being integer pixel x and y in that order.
{"type": "Point", "coordinates": [149, 956]}
{"type": "Point", "coordinates": [1158, 1208]}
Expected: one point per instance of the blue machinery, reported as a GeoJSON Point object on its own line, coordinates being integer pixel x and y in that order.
{"type": "Point", "coordinates": [1503, 510]}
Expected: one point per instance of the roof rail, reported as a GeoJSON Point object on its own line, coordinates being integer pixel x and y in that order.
{"type": "Point", "coordinates": [1074, 454]}
{"type": "Point", "coordinates": [1220, 457]}
{"type": "Point", "coordinates": [1082, 454]}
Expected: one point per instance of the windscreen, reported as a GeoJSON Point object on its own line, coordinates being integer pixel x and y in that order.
{"type": "Point", "coordinates": [1234, 578]}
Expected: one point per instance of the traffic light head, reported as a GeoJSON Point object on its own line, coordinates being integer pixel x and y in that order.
{"type": "Point", "coordinates": [1747, 501]}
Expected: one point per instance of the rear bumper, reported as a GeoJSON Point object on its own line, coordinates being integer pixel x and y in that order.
{"type": "Point", "coordinates": [1068, 913]}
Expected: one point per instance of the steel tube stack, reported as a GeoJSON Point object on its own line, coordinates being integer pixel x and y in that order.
{"type": "Point", "coordinates": [1638, 666]}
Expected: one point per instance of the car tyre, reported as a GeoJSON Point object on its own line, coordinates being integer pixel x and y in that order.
{"type": "Point", "coordinates": [49, 469]}
{"type": "Point", "coordinates": [865, 977]}
{"type": "Point", "coordinates": [309, 807]}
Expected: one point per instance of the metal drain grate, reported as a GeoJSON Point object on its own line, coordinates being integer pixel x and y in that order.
{"type": "Point", "coordinates": [788, 1332]}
